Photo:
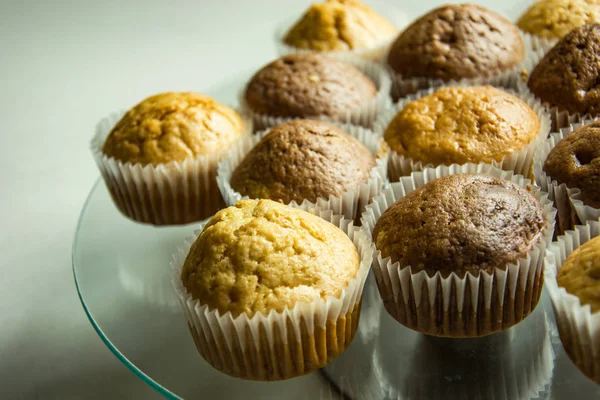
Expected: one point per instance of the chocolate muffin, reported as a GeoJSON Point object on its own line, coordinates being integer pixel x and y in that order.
{"type": "Point", "coordinates": [460, 124]}
{"type": "Point", "coordinates": [553, 19]}
{"type": "Point", "coordinates": [575, 161]}
{"type": "Point", "coordinates": [457, 41]}
{"type": "Point", "coordinates": [567, 77]}
{"type": "Point", "coordinates": [308, 85]}
{"type": "Point", "coordinates": [303, 160]}
{"type": "Point", "coordinates": [460, 224]}
{"type": "Point", "coordinates": [338, 25]}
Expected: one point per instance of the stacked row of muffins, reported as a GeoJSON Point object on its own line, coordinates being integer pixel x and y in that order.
{"type": "Point", "coordinates": [440, 182]}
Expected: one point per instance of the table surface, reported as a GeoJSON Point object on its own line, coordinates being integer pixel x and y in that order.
{"type": "Point", "coordinates": [63, 66]}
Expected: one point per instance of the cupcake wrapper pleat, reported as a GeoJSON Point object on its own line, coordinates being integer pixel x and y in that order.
{"type": "Point", "coordinates": [278, 345]}
{"type": "Point", "coordinates": [578, 327]}
{"type": "Point", "coordinates": [166, 194]}
{"type": "Point", "coordinates": [350, 204]}
{"type": "Point", "coordinates": [457, 306]}
{"type": "Point", "coordinates": [568, 201]}
{"type": "Point", "coordinates": [519, 161]}
{"type": "Point", "coordinates": [365, 115]}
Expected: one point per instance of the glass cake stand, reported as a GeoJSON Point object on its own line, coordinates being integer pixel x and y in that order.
{"type": "Point", "coordinates": [123, 278]}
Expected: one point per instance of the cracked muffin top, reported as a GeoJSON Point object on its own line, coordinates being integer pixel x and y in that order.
{"type": "Point", "coordinates": [553, 19]}
{"type": "Point", "coordinates": [460, 124]}
{"type": "Point", "coordinates": [259, 256]}
{"type": "Point", "coordinates": [575, 161]}
{"type": "Point", "coordinates": [457, 41]}
{"type": "Point", "coordinates": [172, 127]}
{"type": "Point", "coordinates": [580, 274]}
{"type": "Point", "coordinates": [460, 223]}
{"type": "Point", "coordinates": [336, 25]}
{"type": "Point", "coordinates": [308, 85]}
{"type": "Point", "coordinates": [303, 160]}
{"type": "Point", "coordinates": [568, 76]}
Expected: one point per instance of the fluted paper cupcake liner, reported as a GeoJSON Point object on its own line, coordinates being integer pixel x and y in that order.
{"type": "Point", "coordinates": [350, 204]}
{"type": "Point", "coordinates": [365, 115]}
{"type": "Point", "coordinates": [520, 161]}
{"type": "Point", "coordinates": [279, 345]}
{"type": "Point", "coordinates": [166, 194]}
{"type": "Point", "coordinates": [578, 327]}
{"type": "Point", "coordinates": [453, 306]}
{"type": "Point", "coordinates": [509, 79]}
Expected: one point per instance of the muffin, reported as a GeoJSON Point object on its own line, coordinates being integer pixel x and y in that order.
{"type": "Point", "coordinates": [271, 292]}
{"type": "Point", "coordinates": [455, 233]}
{"type": "Point", "coordinates": [341, 26]}
{"type": "Point", "coordinates": [573, 282]}
{"type": "Point", "coordinates": [566, 78]}
{"type": "Point", "coordinates": [307, 163]}
{"type": "Point", "coordinates": [553, 19]}
{"type": "Point", "coordinates": [568, 168]}
{"type": "Point", "coordinates": [461, 124]}
{"type": "Point", "coordinates": [457, 41]}
{"type": "Point", "coordinates": [159, 160]}
{"type": "Point", "coordinates": [314, 86]}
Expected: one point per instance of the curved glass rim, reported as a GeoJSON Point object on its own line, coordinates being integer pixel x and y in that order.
{"type": "Point", "coordinates": [132, 367]}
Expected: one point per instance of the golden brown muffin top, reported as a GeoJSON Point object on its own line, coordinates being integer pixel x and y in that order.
{"type": "Point", "coordinates": [339, 25]}
{"type": "Point", "coordinates": [580, 274]}
{"type": "Point", "coordinates": [575, 161]}
{"type": "Point", "coordinates": [460, 223]}
{"type": "Point", "coordinates": [457, 41]}
{"type": "Point", "coordinates": [308, 85]}
{"type": "Point", "coordinates": [172, 127]}
{"type": "Point", "coordinates": [259, 256]}
{"type": "Point", "coordinates": [553, 19]}
{"type": "Point", "coordinates": [462, 124]}
{"type": "Point", "coordinates": [303, 160]}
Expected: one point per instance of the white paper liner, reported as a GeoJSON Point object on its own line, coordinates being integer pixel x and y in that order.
{"type": "Point", "coordinates": [578, 327]}
{"type": "Point", "coordinates": [278, 345]}
{"type": "Point", "coordinates": [167, 194]}
{"type": "Point", "coordinates": [507, 79]}
{"type": "Point", "coordinates": [375, 53]}
{"type": "Point", "coordinates": [350, 204]}
{"type": "Point", "coordinates": [520, 161]}
{"type": "Point", "coordinates": [365, 115]}
{"type": "Point", "coordinates": [453, 306]}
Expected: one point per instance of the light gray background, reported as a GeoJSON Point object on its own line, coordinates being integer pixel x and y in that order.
{"type": "Point", "coordinates": [63, 66]}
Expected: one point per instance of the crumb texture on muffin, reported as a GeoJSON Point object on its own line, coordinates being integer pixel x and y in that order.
{"type": "Point", "coordinates": [172, 127]}
{"type": "Point", "coordinates": [337, 25]}
{"type": "Point", "coordinates": [460, 223]}
{"type": "Point", "coordinates": [462, 124]}
{"type": "Point", "coordinates": [575, 161]}
{"type": "Point", "coordinates": [308, 85]}
{"type": "Point", "coordinates": [580, 274]}
{"type": "Point", "coordinates": [259, 256]}
{"type": "Point", "coordinates": [568, 76]}
{"type": "Point", "coordinates": [457, 41]}
{"type": "Point", "coordinates": [553, 19]}
{"type": "Point", "coordinates": [303, 160]}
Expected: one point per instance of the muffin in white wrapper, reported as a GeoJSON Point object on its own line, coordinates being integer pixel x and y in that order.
{"type": "Point", "coordinates": [520, 161]}
{"type": "Point", "coordinates": [364, 115]}
{"type": "Point", "coordinates": [173, 193]}
{"type": "Point", "coordinates": [475, 305]}
{"type": "Point", "coordinates": [350, 204]}
{"type": "Point", "coordinates": [570, 208]}
{"type": "Point", "coordinates": [279, 345]}
{"type": "Point", "coordinates": [578, 326]}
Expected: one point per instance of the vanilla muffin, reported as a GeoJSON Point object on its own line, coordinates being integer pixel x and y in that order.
{"type": "Point", "coordinates": [340, 25]}
{"type": "Point", "coordinates": [580, 274]}
{"type": "Point", "coordinates": [159, 160]}
{"type": "Point", "coordinates": [553, 19]}
{"type": "Point", "coordinates": [262, 258]}
{"type": "Point", "coordinates": [461, 124]}
{"type": "Point", "coordinates": [457, 41]}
